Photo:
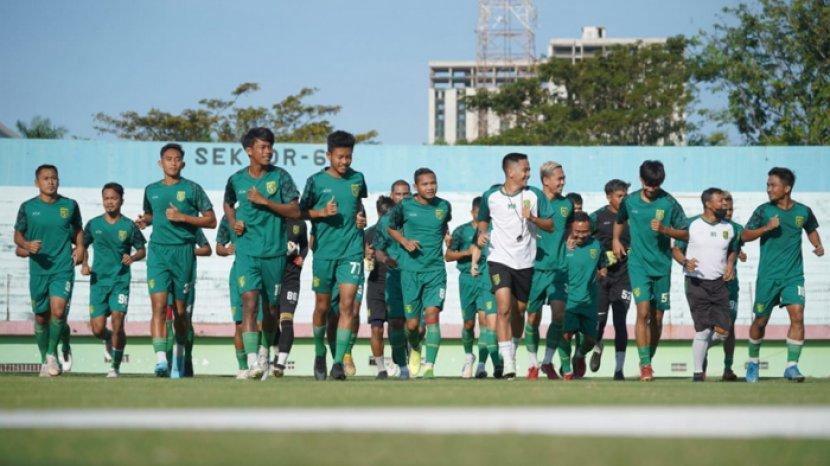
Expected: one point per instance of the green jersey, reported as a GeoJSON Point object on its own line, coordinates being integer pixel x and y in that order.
{"type": "Point", "coordinates": [425, 223]}
{"type": "Point", "coordinates": [551, 245]}
{"type": "Point", "coordinates": [224, 233]}
{"type": "Point", "coordinates": [651, 251]}
{"type": "Point", "coordinates": [384, 242]}
{"type": "Point", "coordinates": [582, 264]}
{"type": "Point", "coordinates": [462, 238]}
{"type": "Point", "coordinates": [264, 234]}
{"type": "Point", "coordinates": [54, 225]}
{"type": "Point", "coordinates": [110, 241]}
{"type": "Point", "coordinates": [781, 248]}
{"type": "Point", "coordinates": [188, 197]}
{"type": "Point", "coordinates": [336, 237]}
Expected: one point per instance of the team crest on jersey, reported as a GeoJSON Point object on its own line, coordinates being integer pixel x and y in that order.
{"type": "Point", "coordinates": [122, 235]}
{"type": "Point", "coordinates": [659, 214]}
{"type": "Point", "coordinates": [64, 212]}
{"type": "Point", "coordinates": [496, 279]}
{"type": "Point", "coordinates": [799, 221]}
{"type": "Point", "coordinates": [440, 213]}
{"type": "Point", "coordinates": [355, 189]}
{"type": "Point", "coordinates": [594, 253]}
{"type": "Point", "coordinates": [296, 229]}
{"type": "Point", "coordinates": [563, 211]}
{"type": "Point", "coordinates": [271, 187]}
{"type": "Point", "coordinates": [180, 196]}
{"type": "Point", "coordinates": [241, 281]}
{"type": "Point", "coordinates": [725, 234]}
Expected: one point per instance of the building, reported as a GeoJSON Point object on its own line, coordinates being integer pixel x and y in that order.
{"type": "Point", "coordinates": [451, 122]}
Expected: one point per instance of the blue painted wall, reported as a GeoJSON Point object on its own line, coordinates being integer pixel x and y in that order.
{"type": "Point", "coordinates": [469, 168]}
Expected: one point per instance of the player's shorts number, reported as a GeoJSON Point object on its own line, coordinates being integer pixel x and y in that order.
{"type": "Point", "coordinates": [441, 293]}
{"type": "Point", "coordinates": [122, 299]}
{"type": "Point", "coordinates": [800, 290]}
{"type": "Point", "coordinates": [355, 267]}
{"type": "Point", "coordinates": [292, 296]}
{"type": "Point", "coordinates": [625, 295]}
{"type": "Point", "coordinates": [664, 297]}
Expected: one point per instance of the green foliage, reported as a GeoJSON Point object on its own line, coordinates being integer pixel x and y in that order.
{"type": "Point", "coordinates": [40, 128]}
{"type": "Point", "coordinates": [773, 63]}
{"type": "Point", "coordinates": [630, 96]}
{"type": "Point", "coordinates": [220, 120]}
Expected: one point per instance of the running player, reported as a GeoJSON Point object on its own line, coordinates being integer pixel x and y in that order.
{"type": "Point", "coordinates": [419, 225]}
{"type": "Point", "coordinates": [113, 238]}
{"type": "Point", "coordinates": [734, 292]}
{"type": "Point", "coordinates": [508, 222]}
{"type": "Point", "coordinates": [614, 289]}
{"type": "Point", "coordinates": [376, 290]}
{"type": "Point", "coordinates": [266, 196]}
{"type": "Point", "coordinates": [653, 216]}
{"type": "Point", "coordinates": [332, 199]}
{"type": "Point", "coordinates": [476, 300]}
{"type": "Point", "coordinates": [780, 282]}
{"type": "Point", "coordinates": [47, 227]}
{"type": "Point", "coordinates": [708, 261]}
{"type": "Point", "coordinates": [584, 263]}
{"type": "Point", "coordinates": [297, 235]}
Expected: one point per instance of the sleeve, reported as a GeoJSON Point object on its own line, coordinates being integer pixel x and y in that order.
{"type": "Point", "coordinates": [622, 214]}
{"type": "Point", "coordinates": [678, 217]}
{"type": "Point", "coordinates": [201, 240]}
{"type": "Point", "coordinates": [484, 208]}
{"type": "Point", "coordinates": [308, 200]}
{"type": "Point", "coordinates": [757, 220]}
{"type": "Point", "coordinates": [88, 235]}
{"type": "Point", "coordinates": [148, 208]}
{"type": "Point", "coordinates": [288, 190]}
{"type": "Point", "coordinates": [396, 217]}
{"type": "Point", "coordinates": [592, 217]}
{"type": "Point", "coordinates": [201, 200]}
{"type": "Point", "coordinates": [680, 244]}
{"type": "Point", "coordinates": [363, 190]}
{"type": "Point", "coordinates": [810, 223]}
{"type": "Point", "coordinates": [223, 235]}
{"type": "Point", "coordinates": [381, 240]}
{"type": "Point", "coordinates": [457, 240]}
{"type": "Point", "coordinates": [303, 239]}
{"type": "Point", "coordinates": [22, 222]}
{"type": "Point", "coordinates": [448, 217]}
{"type": "Point", "coordinates": [138, 240]}
{"type": "Point", "coordinates": [571, 214]}
{"type": "Point", "coordinates": [230, 192]}
{"type": "Point", "coordinates": [76, 221]}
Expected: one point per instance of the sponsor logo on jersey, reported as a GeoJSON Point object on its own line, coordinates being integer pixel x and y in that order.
{"type": "Point", "coordinates": [122, 235]}
{"type": "Point", "coordinates": [180, 196]}
{"type": "Point", "coordinates": [659, 214]}
{"type": "Point", "coordinates": [271, 187]}
{"type": "Point", "coordinates": [64, 212]}
{"type": "Point", "coordinates": [799, 221]}
{"type": "Point", "coordinates": [355, 189]}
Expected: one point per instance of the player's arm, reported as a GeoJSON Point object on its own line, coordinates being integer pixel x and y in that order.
{"type": "Point", "coordinates": [20, 227]}
{"type": "Point", "coordinates": [454, 252]}
{"type": "Point", "coordinates": [756, 227]}
{"type": "Point", "coordinates": [288, 210]}
{"type": "Point", "coordinates": [20, 252]}
{"type": "Point", "coordinates": [202, 245]}
{"type": "Point", "coordinates": [303, 240]}
{"type": "Point", "coordinates": [79, 252]}
{"type": "Point", "coordinates": [146, 219]}
{"type": "Point", "coordinates": [671, 232]}
{"type": "Point", "coordinates": [139, 246]}
{"type": "Point", "coordinates": [815, 240]}
{"type": "Point", "coordinates": [617, 231]}
{"type": "Point", "coordinates": [679, 253]}
{"type": "Point", "coordinates": [475, 257]}
{"type": "Point", "coordinates": [396, 220]}
{"type": "Point", "coordinates": [206, 220]}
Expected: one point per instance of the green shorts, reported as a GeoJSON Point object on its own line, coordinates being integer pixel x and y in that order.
{"type": "Point", "coordinates": [654, 289]}
{"type": "Point", "coordinates": [581, 318]}
{"type": "Point", "coordinates": [263, 274]}
{"type": "Point", "coordinates": [547, 286]}
{"type": "Point", "coordinates": [422, 290]}
{"type": "Point", "coordinates": [235, 295]}
{"type": "Point", "coordinates": [328, 272]}
{"type": "Point", "coordinates": [170, 267]}
{"type": "Point", "coordinates": [334, 306]}
{"type": "Point", "coordinates": [769, 293]}
{"type": "Point", "coordinates": [475, 295]}
{"type": "Point", "coordinates": [107, 296]}
{"type": "Point", "coordinates": [393, 294]}
{"type": "Point", "coordinates": [43, 287]}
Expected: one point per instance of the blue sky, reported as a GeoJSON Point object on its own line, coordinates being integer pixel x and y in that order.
{"type": "Point", "coordinates": [68, 60]}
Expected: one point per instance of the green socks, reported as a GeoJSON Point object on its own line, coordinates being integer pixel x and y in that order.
{"type": "Point", "coordinates": [794, 350]}
{"type": "Point", "coordinates": [483, 352]}
{"type": "Point", "coordinates": [267, 339]}
{"type": "Point", "coordinates": [55, 332]}
{"type": "Point", "coordinates": [241, 359]}
{"type": "Point", "coordinates": [727, 362]}
{"type": "Point", "coordinates": [531, 338]}
{"type": "Point", "coordinates": [65, 332]}
{"type": "Point", "coordinates": [645, 355]}
{"type": "Point", "coordinates": [414, 339]}
{"type": "Point", "coordinates": [754, 348]}
{"type": "Point", "coordinates": [250, 341]}
{"type": "Point", "coordinates": [117, 356]}
{"type": "Point", "coordinates": [320, 341]}
{"type": "Point", "coordinates": [42, 339]}
{"type": "Point", "coordinates": [553, 335]}
{"type": "Point", "coordinates": [433, 341]}
{"type": "Point", "coordinates": [188, 345]}
{"type": "Point", "coordinates": [343, 337]}
{"type": "Point", "coordinates": [159, 345]}
{"type": "Point", "coordinates": [352, 341]}
{"type": "Point", "coordinates": [565, 355]}
{"type": "Point", "coordinates": [467, 338]}
{"type": "Point", "coordinates": [492, 346]}
{"type": "Point", "coordinates": [397, 340]}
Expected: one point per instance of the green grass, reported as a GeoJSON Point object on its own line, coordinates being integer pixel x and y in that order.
{"type": "Point", "coordinates": [126, 448]}
{"type": "Point", "coordinates": [87, 391]}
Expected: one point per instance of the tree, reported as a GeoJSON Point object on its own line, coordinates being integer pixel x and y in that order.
{"type": "Point", "coordinates": [773, 62]}
{"type": "Point", "coordinates": [40, 128]}
{"type": "Point", "coordinates": [632, 95]}
{"type": "Point", "coordinates": [218, 120]}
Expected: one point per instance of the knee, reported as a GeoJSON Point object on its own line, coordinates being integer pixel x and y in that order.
{"type": "Point", "coordinates": [469, 324]}
{"type": "Point", "coordinates": [534, 319]}
{"type": "Point", "coordinates": [412, 325]}
{"type": "Point", "coordinates": [396, 324]}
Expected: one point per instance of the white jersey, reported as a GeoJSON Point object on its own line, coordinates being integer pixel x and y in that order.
{"type": "Point", "coordinates": [710, 244]}
{"type": "Point", "coordinates": [512, 237]}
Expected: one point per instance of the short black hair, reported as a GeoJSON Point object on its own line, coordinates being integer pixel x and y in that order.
{"type": "Point", "coordinates": [652, 173]}
{"type": "Point", "coordinates": [706, 195]}
{"type": "Point", "coordinates": [423, 171]}
{"type": "Point", "coordinates": [340, 139]}
{"type": "Point", "coordinates": [476, 202]}
{"type": "Point", "coordinates": [171, 145]}
{"type": "Point", "coordinates": [513, 157]}
{"type": "Point", "coordinates": [616, 185]}
{"type": "Point", "coordinates": [383, 204]}
{"type": "Point", "coordinates": [115, 187]}
{"type": "Point", "coordinates": [398, 183]}
{"type": "Point", "coordinates": [784, 174]}
{"type": "Point", "coordinates": [575, 198]}
{"type": "Point", "coordinates": [45, 166]}
{"type": "Point", "coordinates": [581, 216]}
{"type": "Point", "coordinates": [263, 134]}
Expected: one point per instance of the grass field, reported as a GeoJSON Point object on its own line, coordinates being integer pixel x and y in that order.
{"type": "Point", "coordinates": [143, 447]}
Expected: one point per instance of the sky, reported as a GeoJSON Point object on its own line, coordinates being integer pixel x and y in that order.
{"type": "Point", "coordinates": [68, 60]}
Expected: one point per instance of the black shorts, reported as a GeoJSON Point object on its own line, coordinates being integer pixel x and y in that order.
{"type": "Point", "coordinates": [612, 289]}
{"type": "Point", "coordinates": [708, 303]}
{"type": "Point", "coordinates": [502, 276]}
{"type": "Point", "coordinates": [290, 291]}
{"type": "Point", "coordinates": [376, 301]}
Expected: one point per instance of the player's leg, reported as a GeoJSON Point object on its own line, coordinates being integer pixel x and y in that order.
{"type": "Point", "coordinates": [588, 329]}
{"type": "Point", "coordinates": [348, 361]}
{"type": "Point", "coordinates": [249, 280]}
{"type": "Point", "coordinates": [619, 309]}
{"type": "Point", "coordinates": [468, 291]}
{"type": "Point", "coordinates": [322, 283]}
{"type": "Point", "coordinates": [603, 304]}
{"type": "Point", "coordinates": [39, 294]}
{"type": "Point", "coordinates": [99, 297]}
{"type": "Point", "coordinates": [348, 276]}
{"type": "Point", "coordinates": [660, 289]}
{"type": "Point", "coordinates": [412, 290]}
{"type": "Point", "coordinates": [434, 293]}
{"type": "Point", "coordinates": [183, 262]}
{"type": "Point", "coordinates": [158, 285]}
{"type": "Point", "coordinates": [393, 295]}
{"type": "Point", "coordinates": [553, 338]}
{"type": "Point", "coordinates": [540, 283]}
{"type": "Point", "coordinates": [729, 345]}
{"type": "Point", "coordinates": [190, 333]}
{"type": "Point", "coordinates": [767, 296]}
{"type": "Point", "coordinates": [483, 352]}
{"type": "Point", "coordinates": [570, 326]}
{"type": "Point", "coordinates": [60, 293]}
{"type": "Point", "coordinates": [642, 290]}
{"type": "Point", "coordinates": [119, 341]}
{"type": "Point", "coordinates": [273, 271]}
{"type": "Point", "coordinates": [288, 305]}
